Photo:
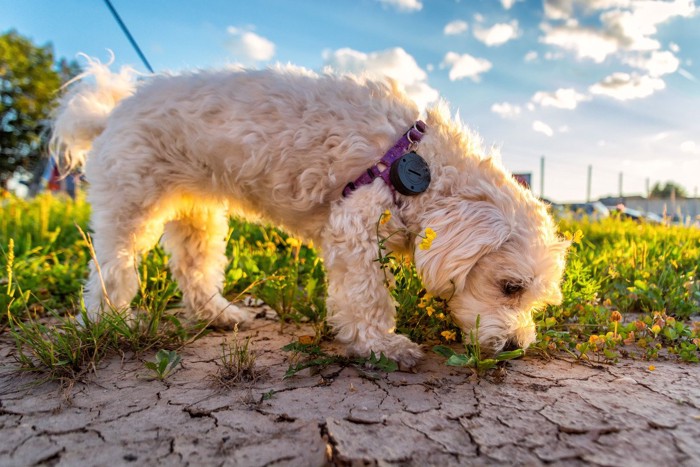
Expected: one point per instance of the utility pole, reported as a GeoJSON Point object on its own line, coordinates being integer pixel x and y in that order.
{"type": "Point", "coordinates": [620, 185]}
{"type": "Point", "coordinates": [542, 177]}
{"type": "Point", "coordinates": [646, 204]}
{"type": "Point", "coordinates": [588, 183]}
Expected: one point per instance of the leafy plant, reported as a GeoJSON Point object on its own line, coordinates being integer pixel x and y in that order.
{"type": "Point", "coordinates": [472, 358]}
{"type": "Point", "coordinates": [166, 362]}
{"type": "Point", "coordinates": [314, 357]}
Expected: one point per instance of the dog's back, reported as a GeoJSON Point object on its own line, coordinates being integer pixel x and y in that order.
{"type": "Point", "coordinates": [285, 133]}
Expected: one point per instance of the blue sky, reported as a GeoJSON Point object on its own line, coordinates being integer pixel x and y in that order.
{"type": "Point", "coordinates": [614, 84]}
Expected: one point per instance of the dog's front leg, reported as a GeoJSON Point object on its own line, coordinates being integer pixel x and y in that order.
{"type": "Point", "coordinates": [361, 309]}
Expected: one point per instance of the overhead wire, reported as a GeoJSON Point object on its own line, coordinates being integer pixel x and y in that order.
{"type": "Point", "coordinates": [129, 36]}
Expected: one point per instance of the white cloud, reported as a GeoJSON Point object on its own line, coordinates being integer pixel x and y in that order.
{"type": "Point", "coordinates": [531, 56]}
{"type": "Point", "coordinates": [625, 25]}
{"type": "Point", "coordinates": [466, 66]}
{"type": "Point", "coordinates": [565, 9]}
{"type": "Point", "coordinates": [505, 110]}
{"type": "Point", "coordinates": [660, 136]}
{"type": "Point", "coordinates": [508, 4]}
{"type": "Point", "coordinates": [541, 127]}
{"type": "Point", "coordinates": [395, 63]}
{"type": "Point", "coordinates": [623, 86]}
{"type": "Point", "coordinates": [565, 98]}
{"type": "Point", "coordinates": [403, 5]}
{"type": "Point", "coordinates": [635, 25]}
{"type": "Point", "coordinates": [455, 27]}
{"type": "Point", "coordinates": [248, 46]}
{"type": "Point", "coordinates": [557, 9]}
{"type": "Point", "coordinates": [690, 147]}
{"type": "Point", "coordinates": [673, 47]}
{"type": "Point", "coordinates": [584, 42]}
{"type": "Point", "coordinates": [656, 64]}
{"type": "Point", "coordinates": [498, 34]}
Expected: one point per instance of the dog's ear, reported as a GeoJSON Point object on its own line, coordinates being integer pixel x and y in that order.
{"type": "Point", "coordinates": [555, 262]}
{"type": "Point", "coordinates": [464, 233]}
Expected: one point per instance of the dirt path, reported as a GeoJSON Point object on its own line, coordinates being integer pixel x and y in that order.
{"type": "Point", "coordinates": [543, 412]}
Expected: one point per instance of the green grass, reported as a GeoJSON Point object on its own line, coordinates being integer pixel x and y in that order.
{"type": "Point", "coordinates": [646, 273]}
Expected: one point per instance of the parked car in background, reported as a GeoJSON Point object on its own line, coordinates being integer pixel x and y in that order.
{"type": "Point", "coordinates": [639, 216]}
{"type": "Point", "coordinates": [594, 210]}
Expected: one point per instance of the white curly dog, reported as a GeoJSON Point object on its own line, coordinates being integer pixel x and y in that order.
{"type": "Point", "coordinates": [174, 155]}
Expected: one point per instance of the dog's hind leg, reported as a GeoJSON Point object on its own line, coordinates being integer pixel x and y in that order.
{"type": "Point", "coordinates": [360, 306]}
{"type": "Point", "coordinates": [196, 240]}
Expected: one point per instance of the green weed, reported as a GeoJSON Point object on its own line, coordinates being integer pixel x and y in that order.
{"type": "Point", "coordinates": [472, 356]}
{"type": "Point", "coordinates": [166, 362]}
{"type": "Point", "coordinates": [311, 356]}
{"type": "Point", "coordinates": [237, 363]}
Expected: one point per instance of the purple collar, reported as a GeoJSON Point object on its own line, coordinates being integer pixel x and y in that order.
{"type": "Point", "coordinates": [410, 138]}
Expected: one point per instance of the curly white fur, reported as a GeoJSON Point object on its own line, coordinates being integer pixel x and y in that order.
{"type": "Point", "coordinates": [176, 154]}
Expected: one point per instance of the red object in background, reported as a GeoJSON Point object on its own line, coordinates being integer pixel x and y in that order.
{"type": "Point", "coordinates": [54, 183]}
{"type": "Point", "coordinates": [523, 179]}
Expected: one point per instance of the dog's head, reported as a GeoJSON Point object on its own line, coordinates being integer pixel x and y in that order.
{"type": "Point", "coordinates": [497, 252]}
{"type": "Point", "coordinates": [498, 267]}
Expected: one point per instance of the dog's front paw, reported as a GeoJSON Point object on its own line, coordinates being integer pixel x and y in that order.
{"type": "Point", "coordinates": [402, 350]}
{"type": "Point", "coordinates": [394, 346]}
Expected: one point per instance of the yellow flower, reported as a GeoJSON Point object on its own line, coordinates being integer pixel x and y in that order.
{"type": "Point", "coordinates": [449, 335]}
{"type": "Point", "coordinates": [425, 299]}
{"type": "Point", "coordinates": [656, 329]}
{"type": "Point", "coordinates": [441, 315]}
{"type": "Point", "coordinates": [574, 237]}
{"type": "Point", "coordinates": [652, 368]}
{"type": "Point", "coordinates": [430, 310]}
{"type": "Point", "coordinates": [293, 242]}
{"type": "Point", "coordinates": [385, 217]}
{"type": "Point", "coordinates": [427, 241]}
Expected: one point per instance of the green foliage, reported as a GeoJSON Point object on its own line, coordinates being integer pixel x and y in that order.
{"type": "Point", "coordinates": [472, 357]}
{"type": "Point", "coordinates": [29, 83]}
{"type": "Point", "coordinates": [420, 316]}
{"type": "Point", "coordinates": [311, 356]}
{"type": "Point", "coordinates": [166, 362]}
{"type": "Point", "coordinates": [665, 190]}
{"type": "Point", "coordinates": [282, 271]}
{"type": "Point", "coordinates": [49, 256]}
{"type": "Point", "coordinates": [648, 274]}
{"type": "Point", "coordinates": [67, 348]}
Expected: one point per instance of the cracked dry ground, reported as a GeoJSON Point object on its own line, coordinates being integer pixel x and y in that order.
{"type": "Point", "coordinates": [541, 413]}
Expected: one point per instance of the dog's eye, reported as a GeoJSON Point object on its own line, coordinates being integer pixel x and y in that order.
{"type": "Point", "coordinates": [511, 288]}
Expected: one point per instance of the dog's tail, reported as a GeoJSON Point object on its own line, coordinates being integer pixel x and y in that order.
{"type": "Point", "coordinates": [83, 111]}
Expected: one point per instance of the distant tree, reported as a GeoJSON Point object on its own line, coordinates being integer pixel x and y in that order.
{"type": "Point", "coordinates": [664, 190]}
{"type": "Point", "coordinates": [29, 84]}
